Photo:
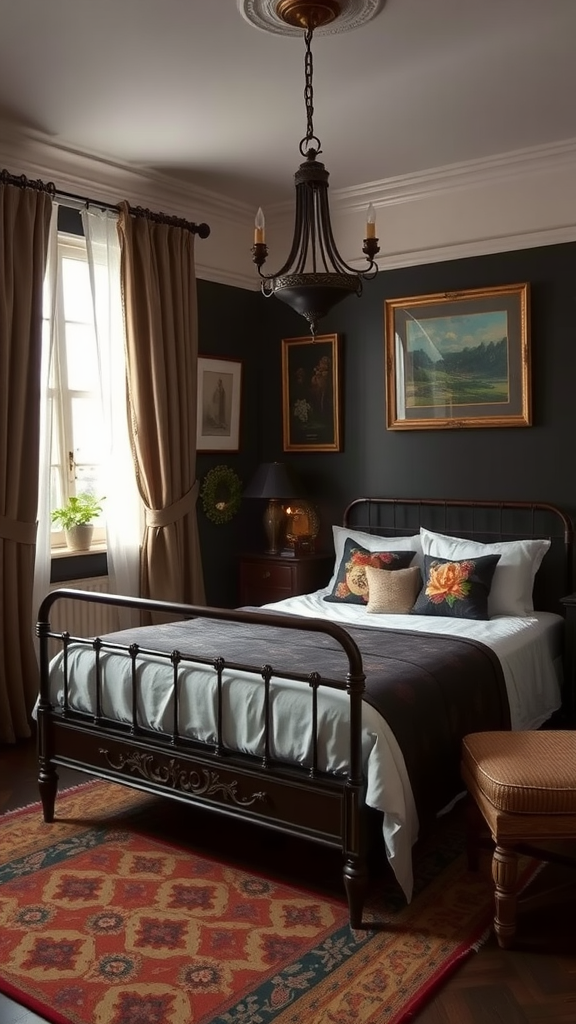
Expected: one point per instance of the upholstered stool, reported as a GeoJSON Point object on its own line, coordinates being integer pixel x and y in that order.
{"type": "Point", "coordinates": [524, 785]}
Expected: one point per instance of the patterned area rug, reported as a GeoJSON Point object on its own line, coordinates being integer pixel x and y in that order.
{"type": "Point", "coordinates": [104, 920]}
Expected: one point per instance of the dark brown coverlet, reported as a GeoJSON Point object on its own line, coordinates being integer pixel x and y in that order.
{"type": "Point", "coordinates": [431, 689]}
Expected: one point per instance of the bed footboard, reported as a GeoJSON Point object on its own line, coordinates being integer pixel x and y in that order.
{"type": "Point", "coordinates": [296, 798]}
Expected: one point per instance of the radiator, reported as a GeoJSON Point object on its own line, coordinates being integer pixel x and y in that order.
{"type": "Point", "coordinates": [81, 618]}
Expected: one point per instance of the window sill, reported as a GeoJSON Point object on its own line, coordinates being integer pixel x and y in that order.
{"type": "Point", "coordinates": [78, 565]}
{"type": "Point", "coordinates": [63, 552]}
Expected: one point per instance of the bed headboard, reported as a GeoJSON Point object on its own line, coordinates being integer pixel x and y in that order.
{"type": "Point", "coordinates": [482, 521]}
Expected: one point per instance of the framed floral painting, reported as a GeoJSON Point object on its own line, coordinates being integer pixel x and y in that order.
{"type": "Point", "coordinates": [311, 394]}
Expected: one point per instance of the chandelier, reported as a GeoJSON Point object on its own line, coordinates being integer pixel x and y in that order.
{"type": "Point", "coordinates": [314, 277]}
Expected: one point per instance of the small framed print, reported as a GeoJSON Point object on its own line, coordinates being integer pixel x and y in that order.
{"type": "Point", "coordinates": [218, 411]}
{"type": "Point", "coordinates": [459, 359]}
{"type": "Point", "coordinates": [311, 394]}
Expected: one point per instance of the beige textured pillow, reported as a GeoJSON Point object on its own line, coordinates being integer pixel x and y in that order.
{"type": "Point", "coordinates": [393, 593]}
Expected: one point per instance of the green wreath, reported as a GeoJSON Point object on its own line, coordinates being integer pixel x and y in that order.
{"type": "Point", "coordinates": [221, 494]}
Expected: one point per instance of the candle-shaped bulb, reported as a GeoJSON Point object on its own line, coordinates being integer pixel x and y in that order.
{"type": "Point", "coordinates": [259, 224]}
{"type": "Point", "coordinates": [371, 222]}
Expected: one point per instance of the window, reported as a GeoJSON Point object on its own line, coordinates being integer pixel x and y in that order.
{"type": "Point", "coordinates": [77, 422]}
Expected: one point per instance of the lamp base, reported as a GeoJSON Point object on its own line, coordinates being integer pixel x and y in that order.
{"type": "Point", "coordinates": [274, 517]}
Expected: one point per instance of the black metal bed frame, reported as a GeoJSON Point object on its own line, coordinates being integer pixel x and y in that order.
{"type": "Point", "coordinates": [295, 799]}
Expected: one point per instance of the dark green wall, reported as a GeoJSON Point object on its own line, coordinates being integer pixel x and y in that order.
{"type": "Point", "coordinates": [227, 320]}
{"type": "Point", "coordinates": [521, 463]}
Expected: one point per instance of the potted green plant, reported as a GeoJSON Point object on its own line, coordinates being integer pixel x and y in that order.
{"type": "Point", "coordinates": [76, 518]}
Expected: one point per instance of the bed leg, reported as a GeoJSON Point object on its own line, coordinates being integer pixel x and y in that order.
{"type": "Point", "coordinates": [48, 786]}
{"type": "Point", "coordinates": [355, 883]}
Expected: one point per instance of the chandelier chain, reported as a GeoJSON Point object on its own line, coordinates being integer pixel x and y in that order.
{"type": "Point", "coordinates": [309, 96]}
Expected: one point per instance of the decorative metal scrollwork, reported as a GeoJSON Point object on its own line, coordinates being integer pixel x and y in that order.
{"type": "Point", "coordinates": [174, 774]}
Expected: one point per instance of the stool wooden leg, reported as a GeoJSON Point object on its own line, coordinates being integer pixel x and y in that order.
{"type": "Point", "coordinates": [504, 866]}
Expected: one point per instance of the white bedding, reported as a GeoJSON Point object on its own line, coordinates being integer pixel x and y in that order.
{"type": "Point", "coordinates": [529, 650]}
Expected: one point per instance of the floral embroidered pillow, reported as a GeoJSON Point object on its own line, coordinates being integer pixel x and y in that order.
{"type": "Point", "coordinates": [458, 589]}
{"type": "Point", "coordinates": [350, 584]}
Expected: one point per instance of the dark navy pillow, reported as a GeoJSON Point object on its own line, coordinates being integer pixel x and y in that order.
{"type": "Point", "coordinates": [456, 589]}
{"type": "Point", "coordinates": [351, 585]}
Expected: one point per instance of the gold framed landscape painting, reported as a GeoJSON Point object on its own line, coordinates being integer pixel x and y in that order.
{"type": "Point", "coordinates": [311, 394]}
{"type": "Point", "coordinates": [459, 359]}
{"type": "Point", "coordinates": [218, 409]}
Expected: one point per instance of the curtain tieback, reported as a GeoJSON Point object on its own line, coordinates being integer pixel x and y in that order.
{"type": "Point", "coordinates": [159, 517]}
{"type": "Point", "coordinates": [17, 531]}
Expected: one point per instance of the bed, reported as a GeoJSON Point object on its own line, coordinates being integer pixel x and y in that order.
{"type": "Point", "coordinates": [441, 618]}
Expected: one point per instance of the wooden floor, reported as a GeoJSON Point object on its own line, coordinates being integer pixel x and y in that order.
{"type": "Point", "coordinates": [534, 983]}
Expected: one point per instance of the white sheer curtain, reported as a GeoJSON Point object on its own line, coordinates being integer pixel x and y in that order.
{"type": "Point", "coordinates": [42, 560]}
{"type": "Point", "coordinates": [123, 505]}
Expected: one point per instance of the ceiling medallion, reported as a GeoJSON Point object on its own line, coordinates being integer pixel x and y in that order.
{"type": "Point", "coordinates": [327, 17]}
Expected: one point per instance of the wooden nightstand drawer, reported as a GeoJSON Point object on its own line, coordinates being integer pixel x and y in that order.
{"type": "Point", "coordinates": [268, 578]}
{"type": "Point", "coordinates": [267, 574]}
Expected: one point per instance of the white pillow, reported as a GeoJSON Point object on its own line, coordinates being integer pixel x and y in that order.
{"type": "Point", "coordinates": [513, 581]}
{"type": "Point", "coordinates": [372, 542]}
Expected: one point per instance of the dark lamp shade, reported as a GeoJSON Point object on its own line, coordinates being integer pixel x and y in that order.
{"type": "Point", "coordinates": [274, 480]}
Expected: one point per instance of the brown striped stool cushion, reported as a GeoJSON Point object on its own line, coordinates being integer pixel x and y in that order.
{"type": "Point", "coordinates": [524, 772]}
{"type": "Point", "coordinates": [523, 786]}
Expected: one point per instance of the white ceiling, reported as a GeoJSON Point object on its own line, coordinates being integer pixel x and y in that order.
{"type": "Point", "coordinates": [190, 88]}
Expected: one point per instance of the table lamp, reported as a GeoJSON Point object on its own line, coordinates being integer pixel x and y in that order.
{"type": "Point", "coordinates": [276, 482]}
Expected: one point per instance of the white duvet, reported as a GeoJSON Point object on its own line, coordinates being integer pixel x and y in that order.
{"type": "Point", "coordinates": [529, 650]}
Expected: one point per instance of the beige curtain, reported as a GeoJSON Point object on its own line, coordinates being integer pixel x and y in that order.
{"type": "Point", "coordinates": [159, 285]}
{"type": "Point", "coordinates": [24, 232]}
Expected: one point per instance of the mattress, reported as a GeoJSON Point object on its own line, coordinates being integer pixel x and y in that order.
{"type": "Point", "coordinates": [529, 650]}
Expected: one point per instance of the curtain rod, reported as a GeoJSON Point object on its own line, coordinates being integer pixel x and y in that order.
{"type": "Point", "coordinates": [21, 181]}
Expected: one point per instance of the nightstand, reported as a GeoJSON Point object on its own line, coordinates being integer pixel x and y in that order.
{"type": "Point", "coordinates": [266, 578]}
{"type": "Point", "coordinates": [569, 695]}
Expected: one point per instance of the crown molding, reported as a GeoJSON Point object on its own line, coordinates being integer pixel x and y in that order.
{"type": "Point", "coordinates": [100, 177]}
{"type": "Point", "coordinates": [104, 178]}
{"type": "Point", "coordinates": [468, 174]}
{"type": "Point", "coordinates": [224, 256]}
{"type": "Point", "coordinates": [206, 272]}
{"type": "Point", "coordinates": [475, 247]}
